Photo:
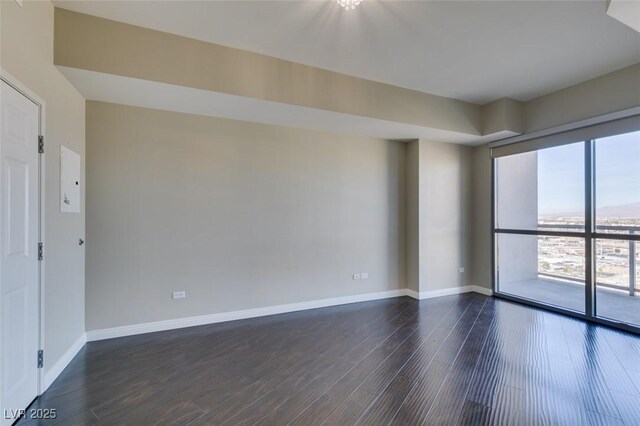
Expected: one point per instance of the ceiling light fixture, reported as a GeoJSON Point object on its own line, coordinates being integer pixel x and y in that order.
{"type": "Point", "coordinates": [349, 4]}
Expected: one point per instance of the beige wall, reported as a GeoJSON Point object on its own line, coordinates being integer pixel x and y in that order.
{"type": "Point", "coordinates": [414, 267]}
{"type": "Point", "coordinates": [237, 214]}
{"type": "Point", "coordinates": [480, 268]}
{"type": "Point", "coordinates": [445, 176]}
{"type": "Point", "coordinates": [503, 116]}
{"type": "Point", "coordinates": [439, 219]}
{"type": "Point", "coordinates": [27, 54]}
{"type": "Point", "coordinates": [613, 92]}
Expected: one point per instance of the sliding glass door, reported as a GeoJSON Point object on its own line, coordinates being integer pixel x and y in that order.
{"type": "Point", "coordinates": [566, 227]}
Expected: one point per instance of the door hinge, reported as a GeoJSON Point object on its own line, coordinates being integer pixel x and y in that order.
{"type": "Point", "coordinates": [41, 144]}
{"type": "Point", "coordinates": [40, 251]}
{"type": "Point", "coordinates": [40, 358]}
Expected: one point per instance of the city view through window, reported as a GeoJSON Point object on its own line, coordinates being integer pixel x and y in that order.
{"type": "Point", "coordinates": [544, 190]}
{"type": "Point", "coordinates": [563, 258]}
{"type": "Point", "coordinates": [617, 198]}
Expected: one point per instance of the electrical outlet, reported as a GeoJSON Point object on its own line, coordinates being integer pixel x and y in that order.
{"type": "Point", "coordinates": [356, 276]}
{"type": "Point", "coordinates": [461, 270]}
{"type": "Point", "coordinates": [179, 295]}
{"type": "Point", "coordinates": [364, 275]}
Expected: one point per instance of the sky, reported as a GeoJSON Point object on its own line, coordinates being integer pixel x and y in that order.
{"type": "Point", "coordinates": [561, 174]}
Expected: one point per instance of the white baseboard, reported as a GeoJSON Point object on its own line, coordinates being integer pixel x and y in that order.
{"type": "Point", "coordinates": [449, 291]}
{"type": "Point", "coordinates": [482, 290]}
{"type": "Point", "coordinates": [412, 293]}
{"type": "Point", "coordinates": [52, 374]}
{"type": "Point", "coordinates": [149, 327]}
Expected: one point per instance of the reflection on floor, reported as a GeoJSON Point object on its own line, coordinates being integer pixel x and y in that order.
{"type": "Point", "coordinates": [466, 359]}
{"type": "Point", "coordinates": [611, 304]}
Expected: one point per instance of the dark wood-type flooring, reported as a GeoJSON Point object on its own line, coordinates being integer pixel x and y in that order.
{"type": "Point", "coordinates": [465, 359]}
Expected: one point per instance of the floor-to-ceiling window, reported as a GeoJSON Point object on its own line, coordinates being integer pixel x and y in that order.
{"type": "Point", "coordinates": [617, 227]}
{"type": "Point", "coordinates": [567, 225]}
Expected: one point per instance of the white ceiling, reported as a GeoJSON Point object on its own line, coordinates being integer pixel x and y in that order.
{"type": "Point", "coordinates": [476, 51]}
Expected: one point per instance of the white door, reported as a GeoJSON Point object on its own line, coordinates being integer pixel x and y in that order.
{"type": "Point", "coordinates": [19, 275]}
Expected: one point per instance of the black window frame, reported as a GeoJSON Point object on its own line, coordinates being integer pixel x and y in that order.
{"type": "Point", "coordinates": [589, 235]}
